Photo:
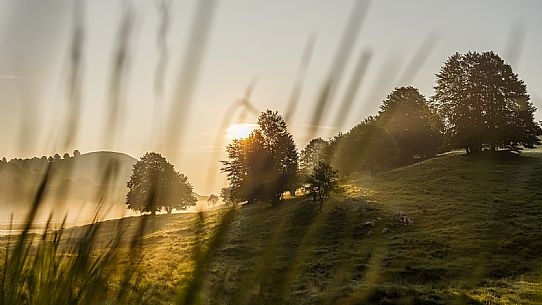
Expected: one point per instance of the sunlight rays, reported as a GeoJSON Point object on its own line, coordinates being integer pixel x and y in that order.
{"type": "Point", "coordinates": [239, 131]}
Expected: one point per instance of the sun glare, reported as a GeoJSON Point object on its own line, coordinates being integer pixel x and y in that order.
{"type": "Point", "coordinates": [240, 131]}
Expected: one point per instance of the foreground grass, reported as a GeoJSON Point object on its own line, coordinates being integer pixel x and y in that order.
{"type": "Point", "coordinates": [476, 239]}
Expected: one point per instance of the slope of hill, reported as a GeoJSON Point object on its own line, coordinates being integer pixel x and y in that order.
{"type": "Point", "coordinates": [450, 230]}
{"type": "Point", "coordinates": [75, 184]}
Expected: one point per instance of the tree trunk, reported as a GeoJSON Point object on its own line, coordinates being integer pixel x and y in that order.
{"type": "Point", "coordinates": [153, 212]}
{"type": "Point", "coordinates": [169, 210]}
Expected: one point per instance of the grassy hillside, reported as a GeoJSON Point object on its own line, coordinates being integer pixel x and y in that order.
{"type": "Point", "coordinates": [476, 238]}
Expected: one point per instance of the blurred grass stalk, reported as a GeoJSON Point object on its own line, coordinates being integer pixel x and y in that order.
{"type": "Point", "coordinates": [53, 268]}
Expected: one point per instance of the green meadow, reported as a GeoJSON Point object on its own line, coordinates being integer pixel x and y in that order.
{"type": "Point", "coordinates": [450, 230]}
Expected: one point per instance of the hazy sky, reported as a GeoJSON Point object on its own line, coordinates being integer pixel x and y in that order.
{"type": "Point", "coordinates": [249, 40]}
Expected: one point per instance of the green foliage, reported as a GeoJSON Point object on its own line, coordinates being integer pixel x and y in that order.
{"type": "Point", "coordinates": [311, 155]}
{"type": "Point", "coordinates": [78, 276]}
{"type": "Point", "coordinates": [322, 182]}
{"type": "Point", "coordinates": [407, 117]}
{"type": "Point", "coordinates": [478, 246]}
{"type": "Point", "coordinates": [366, 147]}
{"type": "Point", "coordinates": [155, 185]}
{"type": "Point", "coordinates": [484, 103]}
{"type": "Point", "coordinates": [226, 196]}
{"type": "Point", "coordinates": [264, 165]}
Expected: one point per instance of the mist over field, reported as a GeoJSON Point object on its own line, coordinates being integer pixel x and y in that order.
{"type": "Point", "coordinates": [270, 152]}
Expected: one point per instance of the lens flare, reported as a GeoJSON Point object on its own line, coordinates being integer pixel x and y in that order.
{"type": "Point", "coordinates": [240, 131]}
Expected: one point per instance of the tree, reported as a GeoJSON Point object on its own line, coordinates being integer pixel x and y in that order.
{"type": "Point", "coordinates": [264, 165]}
{"type": "Point", "coordinates": [366, 147]}
{"type": "Point", "coordinates": [57, 157]}
{"type": "Point", "coordinates": [407, 117]}
{"type": "Point", "coordinates": [155, 185]}
{"type": "Point", "coordinates": [76, 153]}
{"type": "Point", "coordinates": [283, 161]}
{"type": "Point", "coordinates": [321, 182]}
{"type": "Point", "coordinates": [247, 167]}
{"type": "Point", "coordinates": [226, 197]}
{"type": "Point", "coordinates": [484, 104]}
{"type": "Point", "coordinates": [311, 155]}
{"type": "Point", "coordinates": [66, 156]}
{"type": "Point", "coordinates": [213, 199]}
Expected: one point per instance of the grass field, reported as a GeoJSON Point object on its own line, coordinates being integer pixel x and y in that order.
{"type": "Point", "coordinates": [476, 238]}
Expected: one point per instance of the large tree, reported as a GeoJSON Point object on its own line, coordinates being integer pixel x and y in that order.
{"type": "Point", "coordinates": [311, 155]}
{"type": "Point", "coordinates": [366, 147]}
{"type": "Point", "coordinates": [264, 165]}
{"type": "Point", "coordinates": [155, 185]}
{"type": "Point", "coordinates": [321, 182]}
{"type": "Point", "coordinates": [484, 104]}
{"type": "Point", "coordinates": [248, 167]}
{"type": "Point", "coordinates": [406, 115]}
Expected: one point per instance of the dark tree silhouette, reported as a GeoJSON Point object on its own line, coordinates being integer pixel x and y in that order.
{"type": "Point", "coordinates": [366, 147]}
{"type": "Point", "coordinates": [321, 182]}
{"type": "Point", "coordinates": [264, 165]}
{"type": "Point", "coordinates": [311, 155]}
{"type": "Point", "coordinates": [76, 153]}
{"type": "Point", "coordinates": [66, 156]}
{"type": "Point", "coordinates": [484, 104]}
{"type": "Point", "coordinates": [226, 197]}
{"type": "Point", "coordinates": [155, 185]}
{"type": "Point", "coordinates": [407, 117]}
{"type": "Point", "coordinates": [57, 157]}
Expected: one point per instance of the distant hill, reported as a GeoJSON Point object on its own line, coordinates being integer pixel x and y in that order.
{"type": "Point", "coordinates": [76, 183]}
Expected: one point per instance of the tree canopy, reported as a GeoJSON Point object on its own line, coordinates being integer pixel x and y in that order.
{"type": "Point", "coordinates": [155, 185]}
{"type": "Point", "coordinates": [264, 165]}
{"type": "Point", "coordinates": [322, 181]}
{"type": "Point", "coordinates": [407, 117]}
{"type": "Point", "coordinates": [226, 197]}
{"type": "Point", "coordinates": [366, 147]}
{"type": "Point", "coordinates": [484, 104]}
{"type": "Point", "coordinates": [311, 155]}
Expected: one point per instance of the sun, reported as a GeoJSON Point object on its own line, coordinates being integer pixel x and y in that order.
{"type": "Point", "coordinates": [240, 131]}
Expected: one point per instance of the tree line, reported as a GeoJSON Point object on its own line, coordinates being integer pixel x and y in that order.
{"type": "Point", "coordinates": [35, 162]}
{"type": "Point", "coordinates": [479, 104]}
